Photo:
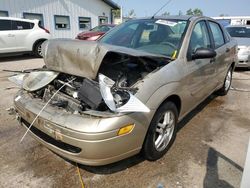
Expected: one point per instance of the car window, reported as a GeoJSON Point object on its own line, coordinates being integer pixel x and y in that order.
{"type": "Point", "coordinates": [21, 25]}
{"type": "Point", "coordinates": [217, 34]}
{"type": "Point", "coordinates": [199, 37]}
{"type": "Point", "coordinates": [101, 28]}
{"type": "Point", "coordinates": [5, 25]}
{"type": "Point", "coordinates": [104, 28]}
{"type": "Point", "coordinates": [97, 28]}
{"type": "Point", "coordinates": [243, 32]}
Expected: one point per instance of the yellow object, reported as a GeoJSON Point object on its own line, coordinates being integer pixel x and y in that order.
{"type": "Point", "coordinates": [174, 54]}
{"type": "Point", "coordinates": [79, 174]}
{"type": "Point", "coordinates": [125, 130]}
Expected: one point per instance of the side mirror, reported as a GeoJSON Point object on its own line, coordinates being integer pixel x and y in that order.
{"type": "Point", "coordinates": [204, 53]}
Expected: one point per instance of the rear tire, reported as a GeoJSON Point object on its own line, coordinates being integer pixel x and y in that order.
{"type": "Point", "coordinates": [227, 83]}
{"type": "Point", "coordinates": [38, 49]}
{"type": "Point", "coordinates": [161, 133]}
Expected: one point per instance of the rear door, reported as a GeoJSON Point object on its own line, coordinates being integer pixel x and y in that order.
{"type": "Point", "coordinates": [222, 49]}
{"type": "Point", "coordinates": [7, 39]}
{"type": "Point", "coordinates": [201, 71]}
{"type": "Point", "coordinates": [21, 30]}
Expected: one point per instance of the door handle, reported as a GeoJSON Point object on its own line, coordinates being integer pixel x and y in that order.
{"type": "Point", "coordinates": [11, 35]}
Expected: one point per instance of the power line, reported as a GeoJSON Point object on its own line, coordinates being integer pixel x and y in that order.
{"type": "Point", "coordinates": [161, 8]}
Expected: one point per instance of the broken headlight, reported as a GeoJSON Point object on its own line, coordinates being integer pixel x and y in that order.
{"type": "Point", "coordinates": [34, 80]}
{"type": "Point", "coordinates": [119, 100]}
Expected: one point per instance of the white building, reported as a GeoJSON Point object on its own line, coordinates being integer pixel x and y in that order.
{"type": "Point", "coordinates": [63, 18]}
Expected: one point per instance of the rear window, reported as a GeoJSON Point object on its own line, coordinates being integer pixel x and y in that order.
{"type": "Point", "coordinates": [243, 32]}
{"type": "Point", "coordinates": [21, 25]}
{"type": "Point", "coordinates": [5, 25]}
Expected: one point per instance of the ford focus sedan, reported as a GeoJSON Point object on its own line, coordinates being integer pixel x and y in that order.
{"type": "Point", "coordinates": [100, 102]}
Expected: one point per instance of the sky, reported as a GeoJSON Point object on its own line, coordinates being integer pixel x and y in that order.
{"type": "Point", "coordinates": [209, 7]}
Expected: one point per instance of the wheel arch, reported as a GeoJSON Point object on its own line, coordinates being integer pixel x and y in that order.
{"type": "Point", "coordinates": [36, 42]}
{"type": "Point", "coordinates": [174, 99]}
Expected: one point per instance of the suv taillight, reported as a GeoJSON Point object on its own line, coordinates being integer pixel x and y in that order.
{"type": "Point", "coordinates": [46, 30]}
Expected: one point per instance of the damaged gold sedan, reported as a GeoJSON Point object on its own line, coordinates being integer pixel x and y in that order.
{"type": "Point", "coordinates": [100, 102]}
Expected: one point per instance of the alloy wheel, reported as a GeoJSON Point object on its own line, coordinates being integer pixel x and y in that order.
{"type": "Point", "coordinates": [164, 130]}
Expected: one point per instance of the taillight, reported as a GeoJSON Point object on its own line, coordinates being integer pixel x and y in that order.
{"type": "Point", "coordinates": [46, 30]}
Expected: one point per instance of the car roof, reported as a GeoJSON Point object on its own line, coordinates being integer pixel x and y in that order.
{"type": "Point", "coordinates": [18, 19]}
{"type": "Point", "coordinates": [177, 17]}
{"type": "Point", "coordinates": [107, 25]}
{"type": "Point", "coordinates": [182, 17]}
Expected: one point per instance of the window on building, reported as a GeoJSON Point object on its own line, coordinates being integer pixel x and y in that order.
{"type": "Point", "coordinates": [5, 25]}
{"type": "Point", "coordinates": [103, 20]}
{"type": "Point", "coordinates": [217, 34]}
{"type": "Point", "coordinates": [62, 22]}
{"type": "Point", "coordinates": [20, 25]}
{"type": "Point", "coordinates": [85, 23]}
{"type": "Point", "coordinates": [34, 16]}
{"type": "Point", "coordinates": [4, 13]}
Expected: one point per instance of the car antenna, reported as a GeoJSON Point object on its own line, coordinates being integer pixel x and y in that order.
{"type": "Point", "coordinates": [161, 9]}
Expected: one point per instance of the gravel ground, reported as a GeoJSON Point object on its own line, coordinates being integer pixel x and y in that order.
{"type": "Point", "coordinates": [209, 151]}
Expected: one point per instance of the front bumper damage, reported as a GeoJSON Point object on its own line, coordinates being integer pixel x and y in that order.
{"type": "Point", "coordinates": [82, 138]}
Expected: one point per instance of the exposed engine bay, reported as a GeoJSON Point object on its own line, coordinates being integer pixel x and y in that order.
{"type": "Point", "coordinates": [83, 94]}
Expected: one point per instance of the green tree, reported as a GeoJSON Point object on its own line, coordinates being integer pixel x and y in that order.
{"type": "Point", "coordinates": [195, 12]}
{"type": "Point", "coordinates": [116, 13]}
{"type": "Point", "coordinates": [198, 12]}
{"type": "Point", "coordinates": [221, 15]}
{"type": "Point", "coordinates": [190, 12]}
{"type": "Point", "coordinates": [166, 13]}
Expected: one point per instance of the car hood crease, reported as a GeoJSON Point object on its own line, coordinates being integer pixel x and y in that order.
{"type": "Point", "coordinates": [83, 58]}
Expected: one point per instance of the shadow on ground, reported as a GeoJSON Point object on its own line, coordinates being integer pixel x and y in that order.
{"type": "Point", "coordinates": [242, 69]}
{"type": "Point", "coordinates": [212, 179]}
{"type": "Point", "coordinates": [16, 57]}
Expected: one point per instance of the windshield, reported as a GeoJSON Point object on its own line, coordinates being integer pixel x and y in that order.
{"type": "Point", "coordinates": [154, 36]}
{"type": "Point", "coordinates": [101, 28]}
{"type": "Point", "coordinates": [243, 32]}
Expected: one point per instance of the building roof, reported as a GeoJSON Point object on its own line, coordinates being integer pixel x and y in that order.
{"type": "Point", "coordinates": [112, 4]}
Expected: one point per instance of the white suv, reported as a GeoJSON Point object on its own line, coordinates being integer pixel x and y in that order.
{"type": "Point", "coordinates": [21, 36]}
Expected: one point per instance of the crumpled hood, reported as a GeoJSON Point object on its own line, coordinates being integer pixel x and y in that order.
{"type": "Point", "coordinates": [81, 58]}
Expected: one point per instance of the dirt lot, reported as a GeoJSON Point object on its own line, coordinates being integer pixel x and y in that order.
{"type": "Point", "coordinates": [209, 151]}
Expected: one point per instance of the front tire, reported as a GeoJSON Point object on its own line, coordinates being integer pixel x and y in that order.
{"type": "Point", "coordinates": [227, 83]}
{"type": "Point", "coordinates": [162, 132]}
